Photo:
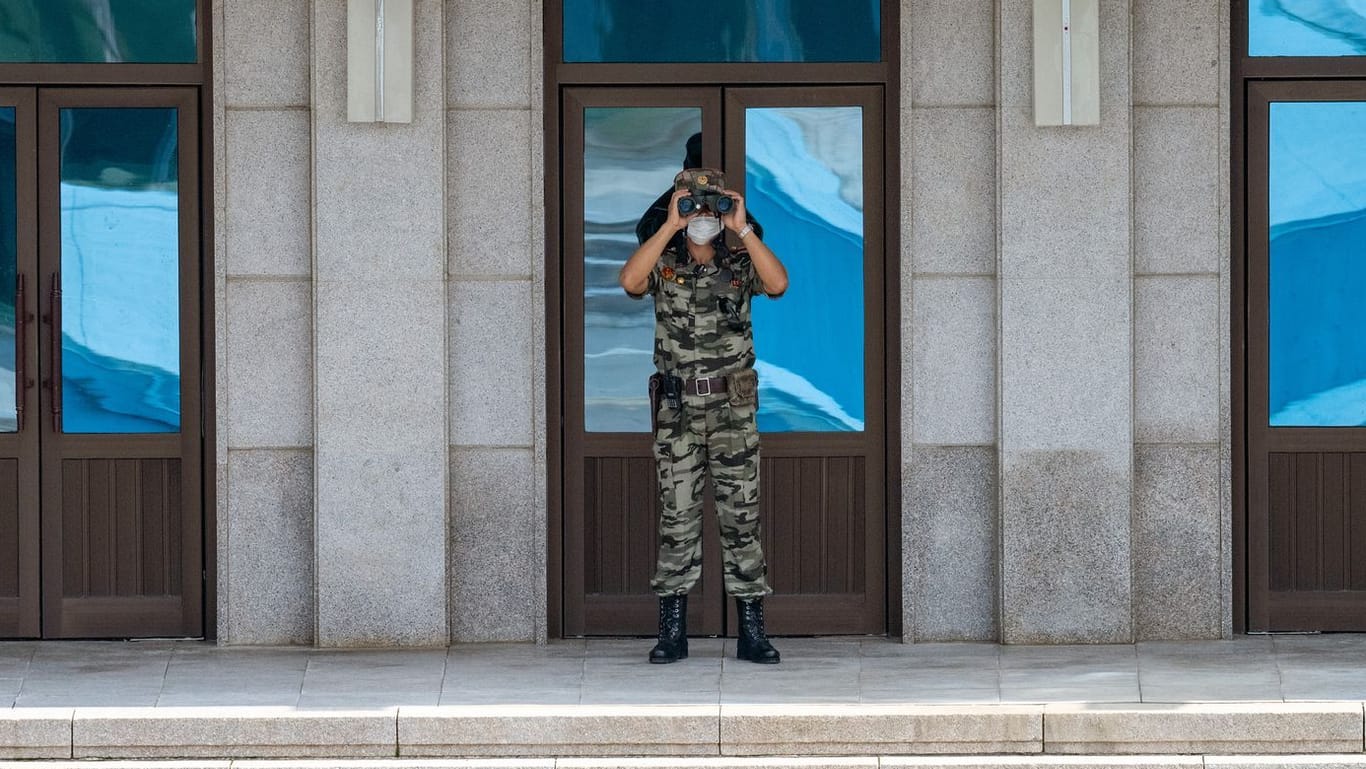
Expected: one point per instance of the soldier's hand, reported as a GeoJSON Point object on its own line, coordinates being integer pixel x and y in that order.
{"type": "Point", "coordinates": [735, 220]}
{"type": "Point", "coordinates": [677, 221]}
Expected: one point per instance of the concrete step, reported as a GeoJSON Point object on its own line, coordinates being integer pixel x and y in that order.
{"type": "Point", "coordinates": [694, 731]}
{"type": "Point", "coordinates": [724, 762]}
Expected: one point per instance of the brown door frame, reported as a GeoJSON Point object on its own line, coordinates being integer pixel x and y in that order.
{"type": "Point", "coordinates": [21, 618]}
{"type": "Point", "coordinates": [1247, 73]}
{"type": "Point", "coordinates": [558, 76]}
{"type": "Point", "coordinates": [624, 613]}
{"type": "Point", "coordinates": [111, 616]}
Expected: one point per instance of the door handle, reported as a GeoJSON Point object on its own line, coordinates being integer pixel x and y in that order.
{"type": "Point", "coordinates": [21, 381]}
{"type": "Point", "coordinates": [54, 381]}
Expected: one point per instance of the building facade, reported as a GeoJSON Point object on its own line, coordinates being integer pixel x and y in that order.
{"type": "Point", "coordinates": [416, 431]}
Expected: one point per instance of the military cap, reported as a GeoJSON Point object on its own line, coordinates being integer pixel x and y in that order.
{"type": "Point", "coordinates": [700, 181]}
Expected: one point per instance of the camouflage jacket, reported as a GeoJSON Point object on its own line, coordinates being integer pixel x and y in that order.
{"type": "Point", "coordinates": [702, 322]}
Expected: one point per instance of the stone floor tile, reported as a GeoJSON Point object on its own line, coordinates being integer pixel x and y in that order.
{"type": "Point", "coordinates": [931, 696]}
{"type": "Point", "coordinates": [1240, 646]}
{"type": "Point", "coordinates": [929, 652]}
{"type": "Point", "coordinates": [14, 658]}
{"type": "Point", "coordinates": [88, 699]}
{"type": "Point", "coordinates": [669, 697]}
{"type": "Point", "coordinates": [1330, 683]}
{"type": "Point", "coordinates": [551, 696]}
{"type": "Point", "coordinates": [1288, 643]}
{"type": "Point", "coordinates": [227, 699]}
{"type": "Point", "coordinates": [375, 701]}
{"type": "Point", "coordinates": [1173, 693]}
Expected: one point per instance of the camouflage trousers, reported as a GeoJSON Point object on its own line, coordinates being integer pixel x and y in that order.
{"type": "Point", "coordinates": [708, 435]}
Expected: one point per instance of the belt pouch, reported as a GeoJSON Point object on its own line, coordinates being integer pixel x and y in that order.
{"type": "Point", "coordinates": [742, 387]}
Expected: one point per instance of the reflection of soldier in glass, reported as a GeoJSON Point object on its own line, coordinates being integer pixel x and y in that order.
{"type": "Point", "coordinates": [704, 396]}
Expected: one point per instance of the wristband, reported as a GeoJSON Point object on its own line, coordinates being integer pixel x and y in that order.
{"type": "Point", "coordinates": [747, 229]}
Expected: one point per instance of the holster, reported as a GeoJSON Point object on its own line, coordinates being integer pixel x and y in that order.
{"type": "Point", "coordinates": [663, 388]}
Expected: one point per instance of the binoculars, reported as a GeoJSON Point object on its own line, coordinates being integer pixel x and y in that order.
{"type": "Point", "coordinates": [721, 204]}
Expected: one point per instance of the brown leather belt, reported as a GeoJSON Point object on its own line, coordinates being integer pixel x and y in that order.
{"type": "Point", "coordinates": [705, 386]}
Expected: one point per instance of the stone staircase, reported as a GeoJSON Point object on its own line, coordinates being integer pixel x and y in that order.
{"type": "Point", "coordinates": [1247, 735]}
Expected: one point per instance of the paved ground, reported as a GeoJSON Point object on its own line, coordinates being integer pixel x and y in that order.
{"type": "Point", "coordinates": [827, 670]}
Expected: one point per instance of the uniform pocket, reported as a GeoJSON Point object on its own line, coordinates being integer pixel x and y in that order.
{"type": "Point", "coordinates": [742, 387]}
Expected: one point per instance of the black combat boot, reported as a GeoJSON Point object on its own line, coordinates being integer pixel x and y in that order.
{"type": "Point", "coordinates": [673, 630]}
{"type": "Point", "coordinates": [753, 644]}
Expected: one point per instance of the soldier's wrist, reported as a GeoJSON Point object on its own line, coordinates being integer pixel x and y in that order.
{"type": "Point", "coordinates": [747, 229]}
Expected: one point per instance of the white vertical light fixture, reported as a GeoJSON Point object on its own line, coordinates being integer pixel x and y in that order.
{"type": "Point", "coordinates": [379, 61]}
{"type": "Point", "coordinates": [1066, 62]}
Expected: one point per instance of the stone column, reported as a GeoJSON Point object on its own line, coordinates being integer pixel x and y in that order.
{"type": "Point", "coordinates": [264, 320]}
{"type": "Point", "coordinates": [1066, 363]}
{"type": "Point", "coordinates": [380, 351]}
{"type": "Point", "coordinates": [1179, 255]}
{"type": "Point", "coordinates": [498, 524]}
{"type": "Point", "coordinates": [949, 532]}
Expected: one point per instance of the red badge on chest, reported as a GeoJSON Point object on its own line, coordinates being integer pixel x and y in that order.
{"type": "Point", "coordinates": [667, 273]}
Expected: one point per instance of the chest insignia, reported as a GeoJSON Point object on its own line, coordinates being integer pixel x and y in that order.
{"type": "Point", "coordinates": [735, 283]}
{"type": "Point", "coordinates": [668, 273]}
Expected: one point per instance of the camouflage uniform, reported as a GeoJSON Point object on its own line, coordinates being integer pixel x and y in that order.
{"type": "Point", "coordinates": [702, 329]}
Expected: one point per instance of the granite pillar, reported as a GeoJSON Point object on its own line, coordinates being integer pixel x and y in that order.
{"type": "Point", "coordinates": [263, 321]}
{"type": "Point", "coordinates": [379, 268]}
{"type": "Point", "coordinates": [1065, 356]}
{"type": "Point", "coordinates": [948, 318]}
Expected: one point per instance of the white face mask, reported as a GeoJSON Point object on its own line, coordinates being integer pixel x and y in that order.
{"type": "Point", "coordinates": [703, 229]}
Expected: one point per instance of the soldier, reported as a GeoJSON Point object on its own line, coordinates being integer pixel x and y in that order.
{"type": "Point", "coordinates": [703, 399]}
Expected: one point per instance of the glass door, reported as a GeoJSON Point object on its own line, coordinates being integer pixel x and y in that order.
{"type": "Point", "coordinates": [809, 162]}
{"type": "Point", "coordinates": [1306, 348]}
{"type": "Point", "coordinates": [99, 364]}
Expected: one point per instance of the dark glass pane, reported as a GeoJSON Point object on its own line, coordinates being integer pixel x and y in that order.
{"type": "Point", "coordinates": [120, 271]}
{"type": "Point", "coordinates": [74, 31]}
{"type": "Point", "coordinates": [722, 31]}
{"type": "Point", "coordinates": [1318, 271]}
{"type": "Point", "coordinates": [1306, 28]}
{"type": "Point", "coordinates": [630, 157]}
{"type": "Point", "coordinates": [804, 185]}
{"type": "Point", "coordinates": [8, 266]}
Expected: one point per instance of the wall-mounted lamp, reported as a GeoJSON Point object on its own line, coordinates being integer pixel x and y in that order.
{"type": "Point", "coordinates": [1066, 62]}
{"type": "Point", "coordinates": [379, 61]}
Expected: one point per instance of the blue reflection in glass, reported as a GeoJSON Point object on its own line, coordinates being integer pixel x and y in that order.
{"type": "Point", "coordinates": [804, 183]}
{"type": "Point", "coordinates": [722, 31]}
{"type": "Point", "coordinates": [630, 156]}
{"type": "Point", "coordinates": [120, 271]}
{"type": "Point", "coordinates": [9, 418]}
{"type": "Point", "coordinates": [1318, 276]}
{"type": "Point", "coordinates": [98, 31]}
{"type": "Point", "coordinates": [1306, 28]}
